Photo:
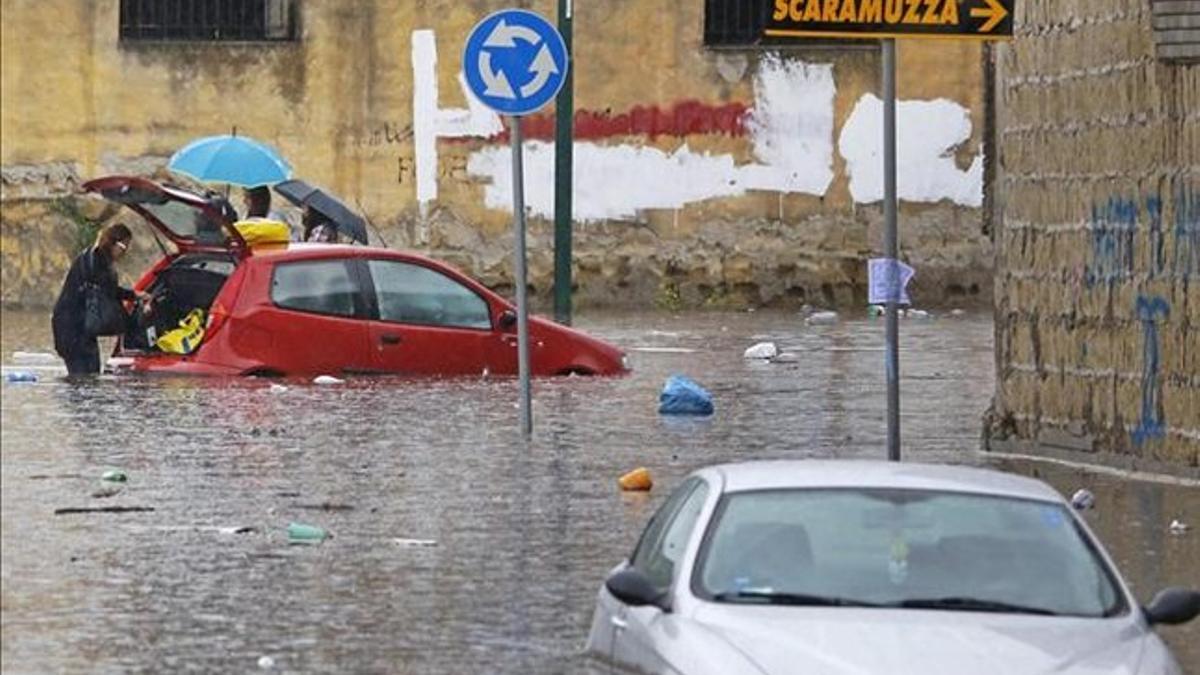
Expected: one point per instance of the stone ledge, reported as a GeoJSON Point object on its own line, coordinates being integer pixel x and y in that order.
{"type": "Point", "coordinates": [1035, 450]}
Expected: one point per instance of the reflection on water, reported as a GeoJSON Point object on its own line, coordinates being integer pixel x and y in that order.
{"type": "Point", "coordinates": [524, 532]}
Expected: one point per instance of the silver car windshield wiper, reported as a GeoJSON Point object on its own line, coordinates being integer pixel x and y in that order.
{"type": "Point", "coordinates": [969, 604]}
{"type": "Point", "coordinates": [770, 597]}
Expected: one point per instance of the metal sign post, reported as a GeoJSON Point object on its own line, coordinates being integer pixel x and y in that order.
{"type": "Point", "coordinates": [564, 153]}
{"type": "Point", "coordinates": [885, 20]}
{"type": "Point", "coordinates": [891, 250]}
{"type": "Point", "coordinates": [519, 272]}
{"type": "Point", "coordinates": [514, 63]}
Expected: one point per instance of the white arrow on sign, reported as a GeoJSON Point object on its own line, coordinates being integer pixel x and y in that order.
{"type": "Point", "coordinates": [504, 35]}
{"type": "Point", "coordinates": [497, 83]}
{"type": "Point", "coordinates": [542, 67]}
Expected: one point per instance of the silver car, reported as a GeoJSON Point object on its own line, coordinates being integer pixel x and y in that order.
{"type": "Point", "coordinates": [875, 567]}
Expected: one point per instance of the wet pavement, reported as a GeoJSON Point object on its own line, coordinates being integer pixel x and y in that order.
{"type": "Point", "coordinates": [456, 547]}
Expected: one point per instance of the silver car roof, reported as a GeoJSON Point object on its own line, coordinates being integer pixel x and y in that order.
{"type": "Point", "coordinates": [773, 475]}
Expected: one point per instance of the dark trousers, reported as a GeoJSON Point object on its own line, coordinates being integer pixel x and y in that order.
{"type": "Point", "coordinates": [85, 360]}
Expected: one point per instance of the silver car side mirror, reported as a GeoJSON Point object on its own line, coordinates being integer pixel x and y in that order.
{"type": "Point", "coordinates": [635, 589]}
{"type": "Point", "coordinates": [1173, 606]}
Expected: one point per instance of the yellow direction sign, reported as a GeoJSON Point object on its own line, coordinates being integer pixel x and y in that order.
{"type": "Point", "coordinates": [872, 19]}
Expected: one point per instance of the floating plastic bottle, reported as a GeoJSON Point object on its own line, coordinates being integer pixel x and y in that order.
{"type": "Point", "coordinates": [299, 533]}
{"type": "Point", "coordinates": [114, 476]}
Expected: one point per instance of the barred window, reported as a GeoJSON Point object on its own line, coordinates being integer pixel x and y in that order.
{"type": "Point", "coordinates": [734, 23]}
{"type": "Point", "coordinates": [208, 20]}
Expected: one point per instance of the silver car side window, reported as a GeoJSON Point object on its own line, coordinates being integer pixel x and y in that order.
{"type": "Point", "coordinates": [669, 531]}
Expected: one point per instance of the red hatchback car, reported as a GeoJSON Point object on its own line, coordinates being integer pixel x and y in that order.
{"type": "Point", "coordinates": [311, 309]}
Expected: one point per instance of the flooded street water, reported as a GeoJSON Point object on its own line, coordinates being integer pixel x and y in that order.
{"type": "Point", "coordinates": [515, 538]}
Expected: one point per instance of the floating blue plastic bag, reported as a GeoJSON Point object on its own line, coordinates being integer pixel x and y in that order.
{"type": "Point", "coordinates": [20, 376]}
{"type": "Point", "coordinates": [681, 396]}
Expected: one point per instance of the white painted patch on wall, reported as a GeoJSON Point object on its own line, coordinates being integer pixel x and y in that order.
{"type": "Point", "coordinates": [927, 134]}
{"type": "Point", "coordinates": [610, 181]}
{"type": "Point", "coordinates": [791, 127]}
{"type": "Point", "coordinates": [430, 122]}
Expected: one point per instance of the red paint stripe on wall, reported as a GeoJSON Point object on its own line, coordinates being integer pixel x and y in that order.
{"type": "Point", "coordinates": [681, 119]}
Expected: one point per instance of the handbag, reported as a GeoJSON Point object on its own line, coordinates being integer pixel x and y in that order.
{"type": "Point", "coordinates": [103, 314]}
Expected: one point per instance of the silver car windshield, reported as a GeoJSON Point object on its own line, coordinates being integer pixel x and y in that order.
{"type": "Point", "coordinates": [902, 548]}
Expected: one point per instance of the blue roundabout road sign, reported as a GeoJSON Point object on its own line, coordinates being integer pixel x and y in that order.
{"type": "Point", "coordinates": [515, 61]}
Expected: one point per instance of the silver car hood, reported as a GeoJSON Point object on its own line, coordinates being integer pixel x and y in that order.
{"type": "Point", "coordinates": [844, 641]}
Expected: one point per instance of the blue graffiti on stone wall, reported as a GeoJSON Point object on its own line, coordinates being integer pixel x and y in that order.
{"type": "Point", "coordinates": [1154, 211]}
{"type": "Point", "coordinates": [1185, 263]}
{"type": "Point", "coordinates": [1113, 226]}
{"type": "Point", "coordinates": [1153, 421]}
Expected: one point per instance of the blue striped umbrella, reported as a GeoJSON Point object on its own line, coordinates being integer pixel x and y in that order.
{"type": "Point", "coordinates": [236, 160]}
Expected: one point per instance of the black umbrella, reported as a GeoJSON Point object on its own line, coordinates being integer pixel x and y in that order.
{"type": "Point", "coordinates": [346, 221]}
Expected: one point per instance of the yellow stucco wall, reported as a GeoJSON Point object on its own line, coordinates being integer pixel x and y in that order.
{"type": "Point", "coordinates": [338, 102]}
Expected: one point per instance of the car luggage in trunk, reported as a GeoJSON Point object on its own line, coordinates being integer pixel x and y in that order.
{"type": "Point", "coordinates": [183, 293]}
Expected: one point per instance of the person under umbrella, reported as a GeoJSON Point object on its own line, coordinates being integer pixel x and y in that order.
{"type": "Point", "coordinates": [318, 227]}
{"type": "Point", "coordinates": [257, 201]}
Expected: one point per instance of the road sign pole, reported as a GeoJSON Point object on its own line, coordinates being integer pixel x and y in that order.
{"type": "Point", "coordinates": [518, 177]}
{"type": "Point", "coordinates": [891, 246]}
{"type": "Point", "coordinates": [563, 176]}
{"type": "Point", "coordinates": [515, 62]}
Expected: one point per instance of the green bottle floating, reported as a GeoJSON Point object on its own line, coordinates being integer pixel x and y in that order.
{"type": "Point", "coordinates": [299, 533]}
{"type": "Point", "coordinates": [114, 476]}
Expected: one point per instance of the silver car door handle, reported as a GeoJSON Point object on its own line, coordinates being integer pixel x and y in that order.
{"type": "Point", "coordinates": [619, 622]}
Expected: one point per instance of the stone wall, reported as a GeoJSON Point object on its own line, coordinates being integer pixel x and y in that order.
{"type": "Point", "coordinates": [1098, 249]}
{"type": "Point", "coordinates": [702, 177]}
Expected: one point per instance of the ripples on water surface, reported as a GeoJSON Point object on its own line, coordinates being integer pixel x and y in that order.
{"type": "Point", "coordinates": [524, 534]}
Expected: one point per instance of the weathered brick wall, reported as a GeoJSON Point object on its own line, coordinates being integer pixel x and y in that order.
{"type": "Point", "coordinates": [1098, 244]}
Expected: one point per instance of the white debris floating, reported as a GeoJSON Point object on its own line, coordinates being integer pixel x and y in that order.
{"type": "Point", "coordinates": [762, 350]}
{"type": "Point", "coordinates": [277, 388]}
{"type": "Point", "coordinates": [817, 318]}
{"type": "Point", "coordinates": [415, 543]}
{"type": "Point", "coordinates": [1177, 526]}
{"type": "Point", "coordinates": [326, 379]}
{"type": "Point", "coordinates": [1083, 499]}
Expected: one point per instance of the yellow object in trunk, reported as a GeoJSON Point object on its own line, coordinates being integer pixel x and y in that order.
{"type": "Point", "coordinates": [186, 338]}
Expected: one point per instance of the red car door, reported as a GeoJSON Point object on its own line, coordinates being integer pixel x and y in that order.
{"type": "Point", "coordinates": [312, 322]}
{"type": "Point", "coordinates": [423, 322]}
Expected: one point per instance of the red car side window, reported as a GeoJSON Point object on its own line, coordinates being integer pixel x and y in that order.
{"type": "Point", "coordinates": [320, 286]}
{"type": "Point", "coordinates": [414, 294]}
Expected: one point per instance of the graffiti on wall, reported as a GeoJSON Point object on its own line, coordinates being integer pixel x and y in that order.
{"type": "Point", "coordinates": [1152, 420]}
{"type": "Point", "coordinates": [790, 127]}
{"type": "Point", "coordinates": [1185, 261]}
{"type": "Point", "coordinates": [1113, 227]}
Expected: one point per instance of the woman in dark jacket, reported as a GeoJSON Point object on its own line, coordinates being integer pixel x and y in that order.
{"type": "Point", "coordinates": [95, 266]}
